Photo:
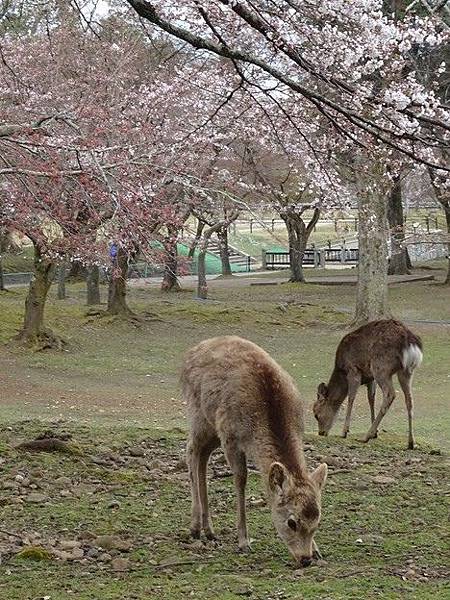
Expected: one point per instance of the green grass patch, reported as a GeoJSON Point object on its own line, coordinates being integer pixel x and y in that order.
{"type": "Point", "coordinates": [379, 541]}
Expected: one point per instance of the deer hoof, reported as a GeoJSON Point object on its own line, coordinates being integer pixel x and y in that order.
{"type": "Point", "coordinates": [244, 547]}
{"type": "Point", "coordinates": [210, 535]}
{"type": "Point", "coordinates": [410, 445]}
{"type": "Point", "coordinates": [344, 434]}
{"type": "Point", "coordinates": [195, 533]}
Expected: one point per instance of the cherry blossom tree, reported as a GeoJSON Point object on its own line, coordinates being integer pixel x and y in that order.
{"type": "Point", "coordinates": [348, 64]}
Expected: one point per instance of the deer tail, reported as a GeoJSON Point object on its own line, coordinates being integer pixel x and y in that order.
{"type": "Point", "coordinates": [411, 357]}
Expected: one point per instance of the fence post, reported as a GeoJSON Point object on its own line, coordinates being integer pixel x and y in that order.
{"type": "Point", "coordinates": [343, 253]}
{"type": "Point", "coordinates": [263, 260]}
{"type": "Point", "coordinates": [329, 244]}
{"type": "Point", "coordinates": [356, 223]}
{"type": "Point", "coordinates": [316, 257]}
{"type": "Point", "coordinates": [273, 225]}
{"type": "Point", "coordinates": [436, 219]}
{"type": "Point", "coordinates": [249, 264]}
{"type": "Point", "coordinates": [322, 259]}
{"type": "Point", "coordinates": [251, 225]}
{"type": "Point", "coordinates": [335, 225]}
{"type": "Point", "coordinates": [427, 222]}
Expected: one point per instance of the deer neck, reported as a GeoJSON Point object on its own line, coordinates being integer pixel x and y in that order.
{"type": "Point", "coordinates": [337, 388]}
{"type": "Point", "coordinates": [287, 449]}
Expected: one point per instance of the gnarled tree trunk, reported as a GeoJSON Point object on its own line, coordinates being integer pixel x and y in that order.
{"type": "Point", "coordinates": [92, 285]}
{"type": "Point", "coordinates": [222, 236]}
{"type": "Point", "coordinates": [372, 299]}
{"type": "Point", "coordinates": [196, 240]}
{"type": "Point", "coordinates": [2, 281]}
{"type": "Point", "coordinates": [117, 292]}
{"type": "Point", "coordinates": [33, 330]}
{"type": "Point", "coordinates": [447, 219]}
{"type": "Point", "coordinates": [170, 280]}
{"type": "Point", "coordinates": [61, 281]}
{"type": "Point", "coordinates": [77, 271]}
{"type": "Point", "coordinates": [399, 262]}
{"type": "Point", "coordinates": [298, 236]}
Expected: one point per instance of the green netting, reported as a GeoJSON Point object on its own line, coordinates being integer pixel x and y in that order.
{"type": "Point", "coordinates": [213, 263]}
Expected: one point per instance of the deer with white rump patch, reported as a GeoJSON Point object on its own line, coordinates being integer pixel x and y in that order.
{"type": "Point", "coordinates": [240, 398]}
{"type": "Point", "coordinates": [370, 355]}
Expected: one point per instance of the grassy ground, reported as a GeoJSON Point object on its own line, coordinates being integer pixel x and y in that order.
{"type": "Point", "coordinates": [115, 389]}
{"type": "Point", "coordinates": [377, 539]}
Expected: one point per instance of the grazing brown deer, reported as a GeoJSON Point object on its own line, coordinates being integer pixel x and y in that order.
{"type": "Point", "coordinates": [241, 399]}
{"type": "Point", "coordinates": [370, 355]}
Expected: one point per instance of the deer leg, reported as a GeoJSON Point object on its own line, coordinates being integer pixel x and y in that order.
{"type": "Point", "coordinates": [404, 378]}
{"type": "Point", "coordinates": [388, 397]}
{"type": "Point", "coordinates": [317, 555]}
{"type": "Point", "coordinates": [192, 458]}
{"type": "Point", "coordinates": [207, 447]}
{"type": "Point", "coordinates": [354, 382]}
{"type": "Point", "coordinates": [238, 465]}
{"type": "Point", "coordinates": [371, 393]}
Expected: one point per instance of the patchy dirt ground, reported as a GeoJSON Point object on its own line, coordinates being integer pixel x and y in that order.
{"type": "Point", "coordinates": [109, 519]}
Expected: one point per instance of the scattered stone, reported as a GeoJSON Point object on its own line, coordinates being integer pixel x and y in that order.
{"type": "Point", "coordinates": [180, 465]}
{"type": "Point", "coordinates": [435, 452]}
{"type": "Point", "coordinates": [105, 541]}
{"type": "Point", "coordinates": [321, 563]}
{"type": "Point", "coordinates": [136, 451]}
{"type": "Point", "coordinates": [36, 498]}
{"type": "Point", "coordinates": [120, 564]}
{"type": "Point", "coordinates": [332, 461]}
{"type": "Point", "coordinates": [92, 553]}
{"type": "Point", "coordinates": [62, 554]}
{"type": "Point", "coordinates": [383, 479]}
{"type": "Point", "coordinates": [77, 553]}
{"type": "Point", "coordinates": [197, 545]}
{"type": "Point", "coordinates": [16, 500]}
{"type": "Point", "coordinates": [104, 557]}
{"type": "Point", "coordinates": [113, 504]}
{"type": "Point", "coordinates": [63, 482]}
{"type": "Point", "coordinates": [65, 493]}
{"type": "Point", "coordinates": [257, 502]}
{"type": "Point", "coordinates": [70, 544]}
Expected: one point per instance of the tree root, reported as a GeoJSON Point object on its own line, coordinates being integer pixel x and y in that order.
{"type": "Point", "coordinates": [44, 340]}
{"type": "Point", "coordinates": [49, 445]}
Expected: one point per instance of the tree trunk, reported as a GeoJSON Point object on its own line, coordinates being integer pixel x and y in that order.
{"type": "Point", "coordinates": [62, 281]}
{"type": "Point", "coordinates": [2, 281]}
{"type": "Point", "coordinates": [77, 271]}
{"type": "Point", "coordinates": [33, 330]}
{"type": "Point", "coordinates": [399, 262]}
{"type": "Point", "coordinates": [372, 302]}
{"type": "Point", "coordinates": [447, 219]}
{"type": "Point", "coordinates": [196, 240]}
{"type": "Point", "coordinates": [117, 302]}
{"type": "Point", "coordinates": [170, 280]}
{"type": "Point", "coordinates": [222, 236]}
{"type": "Point", "coordinates": [92, 285]}
{"type": "Point", "coordinates": [202, 287]}
{"type": "Point", "coordinates": [298, 236]}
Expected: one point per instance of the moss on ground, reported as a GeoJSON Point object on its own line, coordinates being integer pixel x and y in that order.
{"type": "Point", "coordinates": [378, 540]}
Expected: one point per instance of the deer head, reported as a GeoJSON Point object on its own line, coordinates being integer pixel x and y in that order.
{"type": "Point", "coordinates": [295, 506]}
{"type": "Point", "coordinates": [324, 411]}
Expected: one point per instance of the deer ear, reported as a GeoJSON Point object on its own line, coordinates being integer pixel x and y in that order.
{"type": "Point", "coordinates": [322, 389]}
{"type": "Point", "coordinates": [319, 475]}
{"type": "Point", "coordinates": [278, 477]}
